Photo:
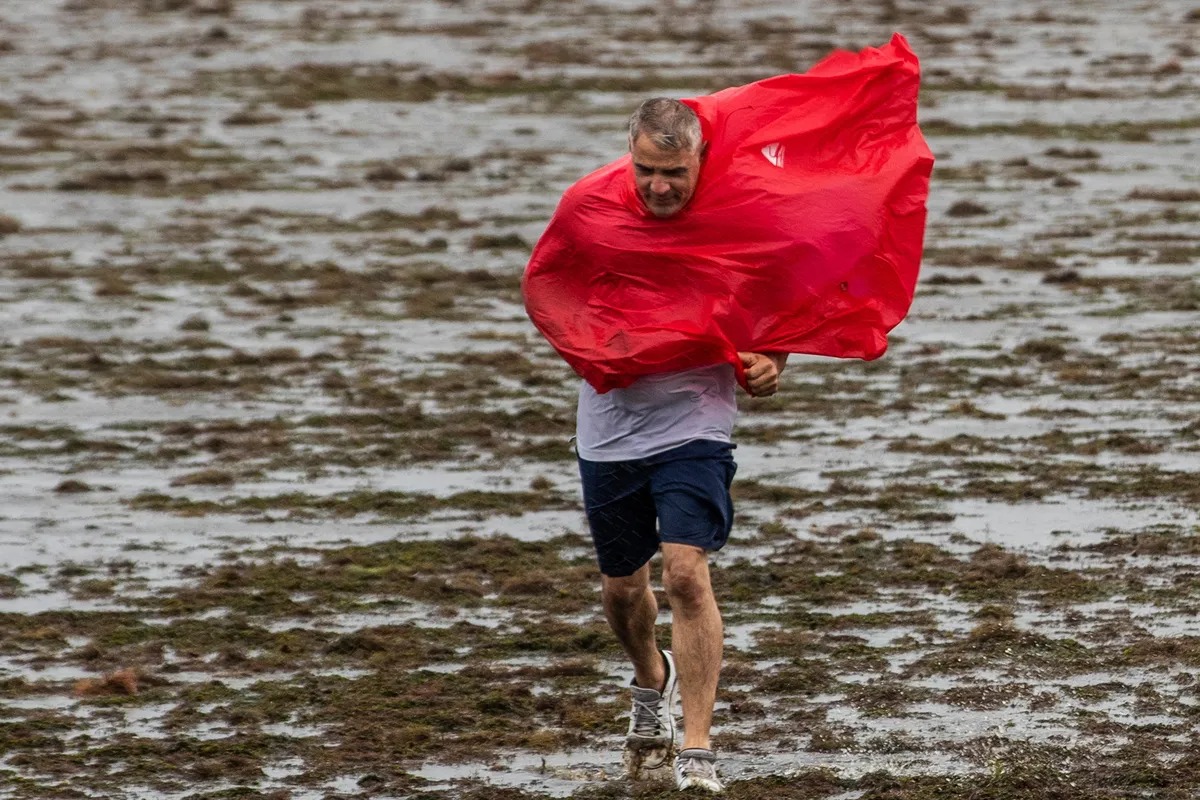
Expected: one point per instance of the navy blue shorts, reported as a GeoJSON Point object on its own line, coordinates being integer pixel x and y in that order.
{"type": "Point", "coordinates": [679, 496]}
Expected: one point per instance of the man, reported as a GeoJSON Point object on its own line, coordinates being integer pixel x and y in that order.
{"type": "Point", "coordinates": [796, 228]}
{"type": "Point", "coordinates": [656, 464]}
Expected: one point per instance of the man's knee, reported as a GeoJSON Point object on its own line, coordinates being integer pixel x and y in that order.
{"type": "Point", "coordinates": [686, 580]}
{"type": "Point", "coordinates": [624, 592]}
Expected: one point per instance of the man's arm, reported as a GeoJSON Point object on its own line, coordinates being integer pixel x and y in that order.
{"type": "Point", "coordinates": [762, 372]}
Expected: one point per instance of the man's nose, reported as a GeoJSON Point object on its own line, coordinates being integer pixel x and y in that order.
{"type": "Point", "coordinates": [659, 185]}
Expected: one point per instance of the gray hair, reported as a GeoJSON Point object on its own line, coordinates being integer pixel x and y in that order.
{"type": "Point", "coordinates": [668, 123]}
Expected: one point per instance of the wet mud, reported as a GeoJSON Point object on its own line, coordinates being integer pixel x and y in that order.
{"type": "Point", "coordinates": [289, 505]}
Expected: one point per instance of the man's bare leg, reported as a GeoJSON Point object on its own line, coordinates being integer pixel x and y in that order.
{"type": "Point", "coordinates": [631, 611]}
{"type": "Point", "coordinates": [697, 637]}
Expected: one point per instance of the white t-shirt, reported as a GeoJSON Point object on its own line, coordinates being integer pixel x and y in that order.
{"type": "Point", "coordinates": [656, 413]}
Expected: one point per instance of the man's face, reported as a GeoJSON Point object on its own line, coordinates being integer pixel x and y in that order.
{"type": "Point", "coordinates": [665, 179]}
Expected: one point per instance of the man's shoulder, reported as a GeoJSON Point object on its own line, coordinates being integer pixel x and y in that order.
{"type": "Point", "coordinates": [603, 184]}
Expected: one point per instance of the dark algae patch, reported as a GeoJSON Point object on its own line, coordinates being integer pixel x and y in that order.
{"type": "Point", "coordinates": [383, 505]}
{"type": "Point", "coordinates": [440, 685]}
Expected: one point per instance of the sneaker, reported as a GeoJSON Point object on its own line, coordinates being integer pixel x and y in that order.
{"type": "Point", "coordinates": [652, 723]}
{"type": "Point", "coordinates": [696, 768]}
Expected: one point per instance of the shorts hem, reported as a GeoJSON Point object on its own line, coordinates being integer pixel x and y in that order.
{"type": "Point", "coordinates": [708, 547]}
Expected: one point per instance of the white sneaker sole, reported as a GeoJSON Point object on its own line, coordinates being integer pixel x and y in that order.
{"type": "Point", "coordinates": [700, 783]}
{"type": "Point", "coordinates": [643, 761]}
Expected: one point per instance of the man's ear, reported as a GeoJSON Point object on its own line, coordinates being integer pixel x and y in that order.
{"type": "Point", "coordinates": [703, 150]}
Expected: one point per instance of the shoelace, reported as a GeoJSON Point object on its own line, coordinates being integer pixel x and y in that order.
{"type": "Point", "coordinates": [645, 717]}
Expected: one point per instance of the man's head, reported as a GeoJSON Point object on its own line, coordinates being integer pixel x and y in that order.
{"type": "Point", "coordinates": [664, 141]}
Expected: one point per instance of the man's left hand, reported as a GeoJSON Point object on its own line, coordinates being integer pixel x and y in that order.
{"type": "Point", "coordinates": [762, 372]}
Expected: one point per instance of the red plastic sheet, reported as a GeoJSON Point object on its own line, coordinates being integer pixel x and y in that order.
{"type": "Point", "coordinates": [804, 233]}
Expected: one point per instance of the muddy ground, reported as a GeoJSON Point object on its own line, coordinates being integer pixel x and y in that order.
{"type": "Point", "coordinates": [288, 506]}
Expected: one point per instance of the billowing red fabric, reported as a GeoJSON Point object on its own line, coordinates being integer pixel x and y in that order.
{"type": "Point", "coordinates": [804, 233]}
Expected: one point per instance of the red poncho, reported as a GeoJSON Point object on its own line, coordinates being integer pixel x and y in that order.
{"type": "Point", "coordinates": [804, 233]}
